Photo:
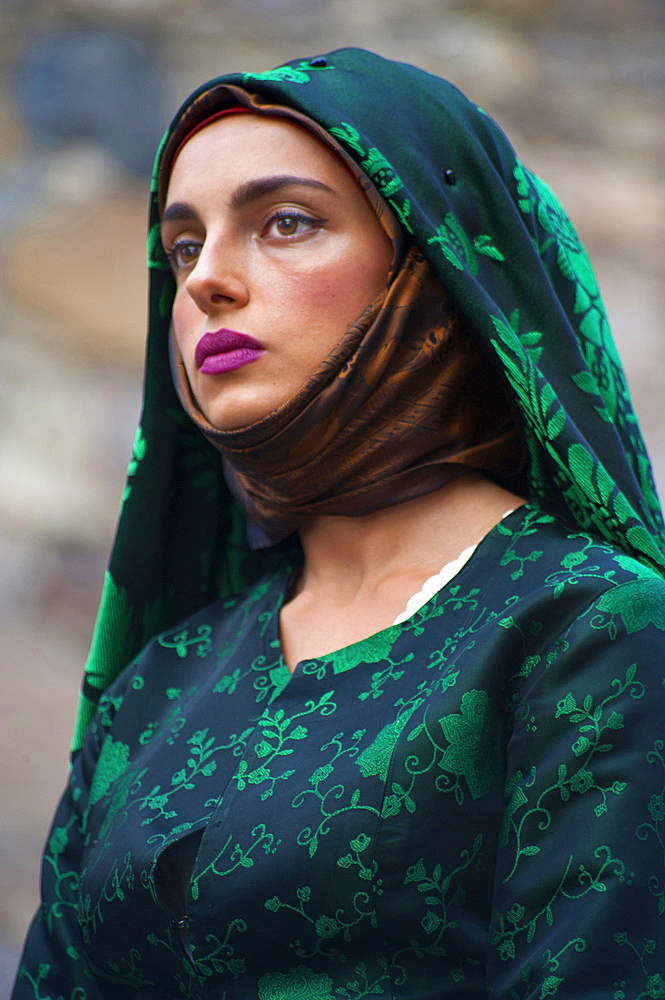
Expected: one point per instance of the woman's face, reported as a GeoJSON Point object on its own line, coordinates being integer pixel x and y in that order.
{"type": "Point", "coordinates": [276, 253]}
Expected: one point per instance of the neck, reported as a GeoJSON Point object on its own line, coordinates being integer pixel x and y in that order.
{"type": "Point", "coordinates": [348, 556]}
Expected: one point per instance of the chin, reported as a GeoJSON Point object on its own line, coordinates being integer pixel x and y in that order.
{"type": "Point", "coordinates": [234, 418]}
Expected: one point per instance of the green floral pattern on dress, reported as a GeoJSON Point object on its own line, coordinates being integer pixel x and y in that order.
{"type": "Point", "coordinates": [504, 773]}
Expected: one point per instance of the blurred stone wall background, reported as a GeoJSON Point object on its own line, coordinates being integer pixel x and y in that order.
{"type": "Point", "coordinates": [86, 89]}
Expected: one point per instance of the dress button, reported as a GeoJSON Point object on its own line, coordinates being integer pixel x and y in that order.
{"type": "Point", "coordinates": [450, 177]}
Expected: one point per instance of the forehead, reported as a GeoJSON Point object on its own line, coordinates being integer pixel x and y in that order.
{"type": "Point", "coordinates": [226, 151]}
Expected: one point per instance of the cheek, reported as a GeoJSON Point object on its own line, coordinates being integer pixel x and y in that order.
{"type": "Point", "coordinates": [345, 284]}
{"type": "Point", "coordinates": [183, 315]}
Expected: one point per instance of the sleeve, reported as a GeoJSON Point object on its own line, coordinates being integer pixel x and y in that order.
{"type": "Point", "coordinates": [579, 894]}
{"type": "Point", "coordinates": [53, 965]}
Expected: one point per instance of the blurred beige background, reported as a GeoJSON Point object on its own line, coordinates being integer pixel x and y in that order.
{"type": "Point", "coordinates": [86, 89]}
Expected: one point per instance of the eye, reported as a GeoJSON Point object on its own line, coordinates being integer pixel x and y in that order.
{"type": "Point", "coordinates": [183, 254]}
{"type": "Point", "coordinates": [289, 225]}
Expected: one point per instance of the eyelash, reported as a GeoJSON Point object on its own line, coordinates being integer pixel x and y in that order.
{"type": "Point", "coordinates": [171, 253]}
{"type": "Point", "coordinates": [311, 221]}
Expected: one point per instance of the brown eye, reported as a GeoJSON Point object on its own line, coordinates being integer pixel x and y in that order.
{"type": "Point", "coordinates": [287, 225]}
{"type": "Point", "coordinates": [291, 226]}
{"type": "Point", "coordinates": [183, 255]}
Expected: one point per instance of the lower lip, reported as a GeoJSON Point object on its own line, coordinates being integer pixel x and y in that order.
{"type": "Point", "coordinates": [228, 361]}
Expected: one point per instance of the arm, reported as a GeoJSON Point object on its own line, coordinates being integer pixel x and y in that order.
{"type": "Point", "coordinates": [579, 899]}
{"type": "Point", "coordinates": [53, 965]}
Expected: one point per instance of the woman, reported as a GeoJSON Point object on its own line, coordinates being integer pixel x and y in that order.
{"type": "Point", "coordinates": [354, 772]}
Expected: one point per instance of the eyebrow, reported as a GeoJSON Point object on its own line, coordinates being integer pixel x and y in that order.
{"type": "Point", "coordinates": [180, 211]}
{"type": "Point", "coordinates": [252, 190]}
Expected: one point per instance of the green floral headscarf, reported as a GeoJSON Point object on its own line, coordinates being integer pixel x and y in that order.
{"type": "Point", "coordinates": [513, 266]}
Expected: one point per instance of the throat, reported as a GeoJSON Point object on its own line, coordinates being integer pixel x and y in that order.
{"type": "Point", "coordinates": [359, 574]}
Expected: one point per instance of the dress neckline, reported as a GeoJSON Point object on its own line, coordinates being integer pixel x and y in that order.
{"type": "Point", "coordinates": [433, 584]}
{"type": "Point", "coordinates": [346, 657]}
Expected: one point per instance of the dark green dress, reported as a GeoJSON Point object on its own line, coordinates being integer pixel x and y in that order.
{"type": "Point", "coordinates": [467, 804]}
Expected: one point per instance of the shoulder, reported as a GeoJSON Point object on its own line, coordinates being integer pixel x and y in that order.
{"type": "Point", "coordinates": [539, 554]}
{"type": "Point", "coordinates": [191, 656]}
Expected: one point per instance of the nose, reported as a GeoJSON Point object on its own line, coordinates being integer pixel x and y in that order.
{"type": "Point", "coordinates": [218, 277]}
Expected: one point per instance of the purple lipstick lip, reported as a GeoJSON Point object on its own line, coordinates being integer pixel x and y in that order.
{"type": "Point", "coordinates": [225, 350]}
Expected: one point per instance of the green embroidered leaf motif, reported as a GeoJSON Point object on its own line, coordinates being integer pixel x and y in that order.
{"type": "Point", "coordinates": [58, 840]}
{"type": "Point", "coordinates": [526, 200]}
{"type": "Point", "coordinates": [297, 984]}
{"type": "Point", "coordinates": [475, 745]}
{"type": "Point", "coordinates": [360, 842]}
{"type": "Point", "coordinates": [640, 539]}
{"type": "Point", "coordinates": [592, 327]}
{"type": "Point", "coordinates": [483, 245]}
{"type": "Point", "coordinates": [556, 424]}
{"type": "Point", "coordinates": [455, 244]}
{"type": "Point", "coordinates": [157, 259]}
{"type": "Point", "coordinates": [289, 74]}
{"type": "Point", "coordinates": [349, 136]}
{"type": "Point", "coordinates": [381, 173]}
{"type": "Point", "coordinates": [403, 212]}
{"type": "Point", "coordinates": [639, 603]}
{"type": "Point", "coordinates": [375, 759]}
{"type": "Point", "coordinates": [531, 338]}
{"type": "Point", "coordinates": [586, 382]}
{"type": "Point", "coordinates": [112, 763]}
{"type": "Point", "coordinates": [507, 333]}
{"type": "Point", "coordinates": [373, 650]}
{"type": "Point", "coordinates": [550, 987]}
{"type": "Point", "coordinates": [581, 466]}
{"type": "Point", "coordinates": [582, 301]}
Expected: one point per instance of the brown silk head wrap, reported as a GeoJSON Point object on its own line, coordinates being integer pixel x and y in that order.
{"type": "Point", "coordinates": [404, 403]}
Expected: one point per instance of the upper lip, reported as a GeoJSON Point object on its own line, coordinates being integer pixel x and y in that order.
{"type": "Point", "coordinates": [222, 341]}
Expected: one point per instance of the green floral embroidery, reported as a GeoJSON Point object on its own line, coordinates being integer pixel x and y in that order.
{"type": "Point", "coordinates": [656, 826]}
{"type": "Point", "coordinates": [353, 859]}
{"type": "Point", "coordinates": [325, 926]}
{"type": "Point", "coordinates": [536, 197]}
{"type": "Point", "coordinates": [112, 764]}
{"type": "Point", "coordinates": [375, 759]}
{"type": "Point", "coordinates": [234, 855]}
{"type": "Point", "coordinates": [119, 881]}
{"type": "Point", "coordinates": [444, 895]}
{"type": "Point", "coordinates": [654, 983]}
{"type": "Point", "coordinates": [138, 453]}
{"type": "Point", "coordinates": [372, 650]}
{"type": "Point", "coordinates": [298, 984]}
{"type": "Point", "coordinates": [458, 249]}
{"type": "Point", "coordinates": [276, 732]}
{"type": "Point", "coordinates": [299, 73]}
{"type": "Point", "coordinates": [361, 985]}
{"type": "Point", "coordinates": [378, 169]}
{"type": "Point", "coordinates": [157, 259]}
{"type": "Point", "coordinates": [639, 604]}
{"type": "Point", "coordinates": [43, 973]}
{"type": "Point", "coordinates": [516, 921]}
{"type": "Point", "coordinates": [64, 882]}
{"type": "Point", "coordinates": [333, 795]}
{"type": "Point", "coordinates": [182, 642]}
{"type": "Point", "coordinates": [475, 743]}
